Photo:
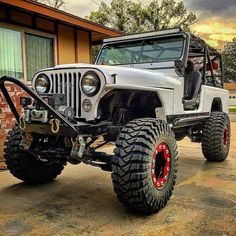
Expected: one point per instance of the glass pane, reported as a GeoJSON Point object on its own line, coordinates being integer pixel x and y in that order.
{"type": "Point", "coordinates": [39, 54]}
{"type": "Point", "coordinates": [142, 51]}
{"type": "Point", "coordinates": [11, 53]}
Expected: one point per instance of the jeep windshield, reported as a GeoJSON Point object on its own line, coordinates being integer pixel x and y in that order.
{"type": "Point", "coordinates": [142, 51]}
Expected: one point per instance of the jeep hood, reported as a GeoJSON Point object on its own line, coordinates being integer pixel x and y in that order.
{"type": "Point", "coordinates": [160, 78]}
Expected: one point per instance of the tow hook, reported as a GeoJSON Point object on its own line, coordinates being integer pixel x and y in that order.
{"type": "Point", "coordinates": [55, 125]}
{"type": "Point", "coordinates": [22, 123]}
{"type": "Point", "coordinates": [78, 147]}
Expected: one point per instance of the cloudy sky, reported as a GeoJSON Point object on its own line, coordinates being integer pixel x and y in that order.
{"type": "Point", "coordinates": [216, 18]}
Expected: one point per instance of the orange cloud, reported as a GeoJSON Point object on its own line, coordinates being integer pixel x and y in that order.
{"type": "Point", "coordinates": [216, 31]}
{"type": "Point", "coordinates": [222, 37]}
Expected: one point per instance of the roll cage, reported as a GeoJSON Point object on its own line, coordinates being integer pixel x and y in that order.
{"type": "Point", "coordinates": [210, 60]}
{"type": "Point", "coordinates": [194, 48]}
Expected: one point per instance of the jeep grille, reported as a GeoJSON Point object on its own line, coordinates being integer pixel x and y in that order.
{"type": "Point", "coordinates": [68, 84]}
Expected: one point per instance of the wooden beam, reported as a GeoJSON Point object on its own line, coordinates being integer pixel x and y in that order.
{"type": "Point", "coordinates": [61, 16]}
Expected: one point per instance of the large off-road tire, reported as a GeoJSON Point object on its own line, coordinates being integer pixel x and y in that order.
{"type": "Point", "coordinates": [26, 166]}
{"type": "Point", "coordinates": [216, 137]}
{"type": "Point", "coordinates": [145, 167]}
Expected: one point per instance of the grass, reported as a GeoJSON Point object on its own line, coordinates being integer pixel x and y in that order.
{"type": "Point", "coordinates": [232, 109]}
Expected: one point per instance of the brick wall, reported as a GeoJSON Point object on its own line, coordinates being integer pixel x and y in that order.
{"type": "Point", "coordinates": [7, 120]}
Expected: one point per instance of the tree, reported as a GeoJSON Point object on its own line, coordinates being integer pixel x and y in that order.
{"type": "Point", "coordinates": [229, 57]}
{"type": "Point", "coordinates": [131, 17]}
{"type": "Point", "coordinates": [52, 3]}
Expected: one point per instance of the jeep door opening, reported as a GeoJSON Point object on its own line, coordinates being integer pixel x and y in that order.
{"type": "Point", "coordinates": [145, 92]}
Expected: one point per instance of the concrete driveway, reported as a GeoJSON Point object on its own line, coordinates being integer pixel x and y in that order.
{"type": "Point", "coordinates": [81, 202]}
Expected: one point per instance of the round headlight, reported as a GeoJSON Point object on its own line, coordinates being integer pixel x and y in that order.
{"type": "Point", "coordinates": [90, 84]}
{"type": "Point", "coordinates": [42, 84]}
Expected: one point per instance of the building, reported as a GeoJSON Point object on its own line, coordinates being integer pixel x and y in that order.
{"type": "Point", "coordinates": [35, 36]}
{"type": "Point", "coordinates": [232, 93]}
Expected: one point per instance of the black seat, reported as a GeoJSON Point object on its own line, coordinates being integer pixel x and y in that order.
{"type": "Point", "coordinates": [192, 87]}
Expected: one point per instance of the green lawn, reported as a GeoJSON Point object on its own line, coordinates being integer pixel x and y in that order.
{"type": "Point", "coordinates": [232, 109]}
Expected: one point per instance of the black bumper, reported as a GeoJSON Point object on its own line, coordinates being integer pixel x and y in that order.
{"type": "Point", "coordinates": [66, 128]}
{"type": "Point", "coordinates": [65, 131]}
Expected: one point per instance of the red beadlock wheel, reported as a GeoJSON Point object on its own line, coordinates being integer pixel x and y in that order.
{"type": "Point", "coordinates": [161, 165]}
{"type": "Point", "coordinates": [216, 137]}
{"type": "Point", "coordinates": [226, 136]}
{"type": "Point", "coordinates": [145, 166]}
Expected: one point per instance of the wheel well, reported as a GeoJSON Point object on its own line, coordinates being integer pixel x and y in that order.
{"type": "Point", "coordinates": [216, 105]}
{"type": "Point", "coordinates": [121, 105]}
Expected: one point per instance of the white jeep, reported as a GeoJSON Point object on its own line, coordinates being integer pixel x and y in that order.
{"type": "Point", "coordinates": [145, 92]}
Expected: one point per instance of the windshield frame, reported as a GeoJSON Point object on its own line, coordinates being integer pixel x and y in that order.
{"type": "Point", "coordinates": [185, 36]}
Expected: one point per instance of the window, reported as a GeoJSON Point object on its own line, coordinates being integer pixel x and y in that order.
{"type": "Point", "coordinates": [143, 51]}
{"type": "Point", "coordinates": [39, 53]}
{"type": "Point", "coordinates": [11, 63]}
{"type": "Point", "coordinates": [22, 54]}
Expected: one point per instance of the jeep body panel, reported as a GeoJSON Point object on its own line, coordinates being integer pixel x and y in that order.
{"type": "Point", "coordinates": [165, 82]}
{"type": "Point", "coordinates": [162, 81]}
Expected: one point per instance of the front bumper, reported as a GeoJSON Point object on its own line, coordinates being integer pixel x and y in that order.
{"type": "Point", "coordinates": [66, 127]}
{"type": "Point", "coordinates": [83, 129]}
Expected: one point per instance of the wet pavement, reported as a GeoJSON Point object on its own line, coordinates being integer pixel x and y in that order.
{"type": "Point", "coordinates": [81, 201]}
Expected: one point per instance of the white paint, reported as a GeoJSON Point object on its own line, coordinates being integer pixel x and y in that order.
{"type": "Point", "coordinates": [165, 82]}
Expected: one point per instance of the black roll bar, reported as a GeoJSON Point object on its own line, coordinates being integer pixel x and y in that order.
{"type": "Point", "coordinates": [35, 96]}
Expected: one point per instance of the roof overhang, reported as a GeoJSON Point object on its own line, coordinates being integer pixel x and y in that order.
{"type": "Point", "coordinates": [99, 32]}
